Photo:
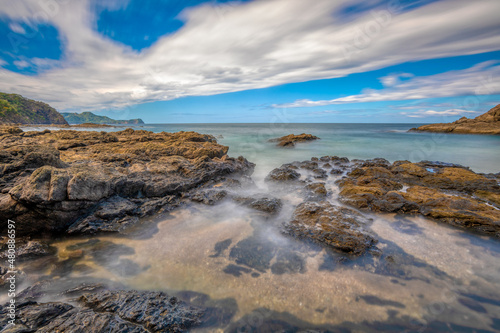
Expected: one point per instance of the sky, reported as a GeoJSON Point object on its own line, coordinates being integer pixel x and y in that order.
{"type": "Point", "coordinates": [255, 61]}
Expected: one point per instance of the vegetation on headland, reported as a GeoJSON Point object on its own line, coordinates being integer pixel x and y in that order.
{"type": "Point", "coordinates": [16, 109]}
{"type": "Point", "coordinates": [89, 117]}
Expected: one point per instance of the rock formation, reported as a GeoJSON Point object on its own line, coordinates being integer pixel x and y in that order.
{"type": "Point", "coordinates": [488, 123]}
{"type": "Point", "coordinates": [289, 141]}
{"type": "Point", "coordinates": [85, 182]}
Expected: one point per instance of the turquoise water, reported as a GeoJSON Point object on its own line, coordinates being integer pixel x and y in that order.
{"type": "Point", "coordinates": [391, 141]}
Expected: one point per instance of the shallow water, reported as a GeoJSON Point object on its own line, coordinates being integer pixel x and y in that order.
{"type": "Point", "coordinates": [430, 276]}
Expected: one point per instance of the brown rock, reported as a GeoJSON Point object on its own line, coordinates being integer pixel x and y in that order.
{"type": "Point", "coordinates": [334, 227]}
{"type": "Point", "coordinates": [445, 192]}
{"type": "Point", "coordinates": [96, 181]}
{"type": "Point", "coordinates": [488, 123]}
{"type": "Point", "coordinates": [289, 141]}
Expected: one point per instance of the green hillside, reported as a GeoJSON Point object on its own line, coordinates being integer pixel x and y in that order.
{"type": "Point", "coordinates": [16, 109]}
{"type": "Point", "coordinates": [89, 117]}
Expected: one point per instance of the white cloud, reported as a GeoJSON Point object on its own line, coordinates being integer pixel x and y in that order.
{"type": "Point", "coordinates": [432, 113]}
{"type": "Point", "coordinates": [394, 79]}
{"type": "Point", "coordinates": [21, 64]}
{"type": "Point", "coordinates": [17, 28]}
{"type": "Point", "coordinates": [482, 79]}
{"type": "Point", "coordinates": [226, 48]}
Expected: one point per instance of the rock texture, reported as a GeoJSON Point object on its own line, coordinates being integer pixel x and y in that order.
{"type": "Point", "coordinates": [334, 227]}
{"type": "Point", "coordinates": [16, 109]}
{"type": "Point", "coordinates": [488, 123]}
{"type": "Point", "coordinates": [289, 141]}
{"type": "Point", "coordinates": [85, 182]}
{"type": "Point", "coordinates": [106, 311]}
{"type": "Point", "coordinates": [446, 192]}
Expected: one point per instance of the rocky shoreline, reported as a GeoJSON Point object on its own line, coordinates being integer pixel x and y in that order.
{"type": "Point", "coordinates": [84, 182]}
{"type": "Point", "coordinates": [69, 183]}
{"type": "Point", "coordinates": [487, 124]}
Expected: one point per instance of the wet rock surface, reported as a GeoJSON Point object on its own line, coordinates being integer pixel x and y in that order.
{"type": "Point", "coordinates": [289, 141]}
{"type": "Point", "coordinates": [87, 182]}
{"type": "Point", "coordinates": [338, 228]}
{"type": "Point", "coordinates": [446, 192]}
{"type": "Point", "coordinates": [107, 311]}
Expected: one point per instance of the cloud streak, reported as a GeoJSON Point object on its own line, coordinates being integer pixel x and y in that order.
{"type": "Point", "coordinates": [482, 79]}
{"type": "Point", "coordinates": [227, 48]}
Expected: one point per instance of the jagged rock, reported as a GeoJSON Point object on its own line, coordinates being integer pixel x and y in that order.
{"type": "Point", "coordinates": [289, 141]}
{"type": "Point", "coordinates": [283, 174]}
{"type": "Point", "coordinates": [267, 205]}
{"type": "Point", "coordinates": [26, 249]}
{"type": "Point", "coordinates": [336, 228]}
{"type": "Point", "coordinates": [446, 192]}
{"type": "Point", "coordinates": [55, 181]}
{"type": "Point", "coordinates": [209, 196]}
{"type": "Point", "coordinates": [316, 191]}
{"type": "Point", "coordinates": [107, 311]}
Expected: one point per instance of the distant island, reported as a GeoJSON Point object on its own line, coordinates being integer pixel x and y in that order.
{"type": "Point", "coordinates": [89, 117]}
{"type": "Point", "coordinates": [16, 109]}
{"type": "Point", "coordinates": [487, 123]}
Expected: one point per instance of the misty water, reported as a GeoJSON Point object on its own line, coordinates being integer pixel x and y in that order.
{"type": "Point", "coordinates": [432, 277]}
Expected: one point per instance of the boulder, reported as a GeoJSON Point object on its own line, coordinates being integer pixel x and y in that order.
{"type": "Point", "coordinates": [336, 228]}
{"type": "Point", "coordinates": [289, 141]}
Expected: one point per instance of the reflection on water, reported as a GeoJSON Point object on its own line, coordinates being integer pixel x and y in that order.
{"type": "Point", "coordinates": [425, 276]}
{"type": "Point", "coordinates": [426, 273]}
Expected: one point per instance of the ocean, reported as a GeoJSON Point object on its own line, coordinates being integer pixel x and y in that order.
{"type": "Point", "coordinates": [362, 141]}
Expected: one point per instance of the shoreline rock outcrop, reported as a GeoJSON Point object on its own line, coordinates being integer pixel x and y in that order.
{"type": "Point", "coordinates": [289, 141]}
{"type": "Point", "coordinates": [488, 123]}
{"type": "Point", "coordinates": [445, 192]}
{"type": "Point", "coordinates": [85, 182]}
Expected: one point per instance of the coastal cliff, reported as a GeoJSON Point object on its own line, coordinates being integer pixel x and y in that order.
{"type": "Point", "coordinates": [16, 109]}
{"type": "Point", "coordinates": [488, 123]}
{"type": "Point", "coordinates": [89, 117]}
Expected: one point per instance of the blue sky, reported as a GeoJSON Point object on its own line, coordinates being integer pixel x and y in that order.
{"type": "Point", "coordinates": [173, 61]}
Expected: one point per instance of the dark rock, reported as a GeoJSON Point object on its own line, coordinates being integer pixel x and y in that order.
{"type": "Point", "coordinates": [87, 182]}
{"type": "Point", "coordinates": [283, 174]}
{"type": "Point", "coordinates": [316, 191]}
{"type": "Point", "coordinates": [270, 206]}
{"type": "Point", "coordinates": [220, 247]}
{"type": "Point", "coordinates": [236, 270]}
{"type": "Point", "coordinates": [334, 227]}
{"type": "Point", "coordinates": [109, 311]}
{"type": "Point", "coordinates": [27, 249]}
{"type": "Point", "coordinates": [209, 197]}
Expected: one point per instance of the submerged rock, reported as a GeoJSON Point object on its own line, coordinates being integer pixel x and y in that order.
{"type": "Point", "coordinates": [338, 228]}
{"type": "Point", "coordinates": [86, 182]}
{"type": "Point", "coordinates": [267, 205]}
{"type": "Point", "coordinates": [289, 141]}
